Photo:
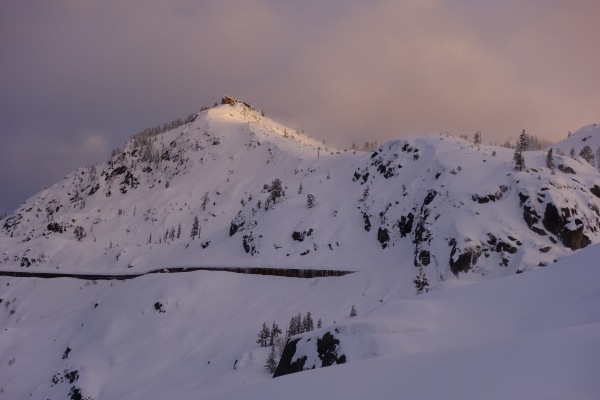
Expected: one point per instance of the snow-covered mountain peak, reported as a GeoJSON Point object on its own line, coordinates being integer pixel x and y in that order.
{"type": "Point", "coordinates": [262, 194]}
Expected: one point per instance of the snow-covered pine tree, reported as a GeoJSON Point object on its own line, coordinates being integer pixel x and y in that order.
{"type": "Point", "coordinates": [205, 201]}
{"type": "Point", "coordinates": [308, 322]}
{"type": "Point", "coordinates": [421, 282]}
{"type": "Point", "coordinates": [79, 233]}
{"type": "Point", "coordinates": [365, 194]}
{"type": "Point", "coordinates": [263, 335]}
{"type": "Point", "coordinates": [271, 363]}
{"type": "Point", "coordinates": [275, 190]}
{"type": "Point", "coordinates": [319, 323]}
{"type": "Point", "coordinates": [195, 228]}
{"type": "Point", "coordinates": [519, 149]}
{"type": "Point", "coordinates": [275, 332]}
{"type": "Point", "coordinates": [310, 200]}
{"type": "Point", "coordinates": [550, 160]}
{"type": "Point", "coordinates": [299, 323]}
{"type": "Point", "coordinates": [353, 312]}
{"type": "Point", "coordinates": [477, 138]}
{"type": "Point", "coordinates": [294, 328]}
{"type": "Point", "coordinates": [178, 230]}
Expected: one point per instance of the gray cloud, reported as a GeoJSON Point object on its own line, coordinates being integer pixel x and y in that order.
{"type": "Point", "coordinates": [78, 78]}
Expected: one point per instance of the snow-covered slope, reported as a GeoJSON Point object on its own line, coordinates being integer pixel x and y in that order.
{"type": "Point", "coordinates": [436, 202]}
{"type": "Point", "coordinates": [193, 335]}
{"type": "Point", "coordinates": [588, 135]}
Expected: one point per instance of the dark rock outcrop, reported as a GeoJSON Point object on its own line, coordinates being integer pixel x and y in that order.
{"type": "Point", "coordinates": [383, 236]}
{"type": "Point", "coordinates": [556, 222]}
{"type": "Point", "coordinates": [327, 349]}
{"type": "Point", "coordinates": [286, 366]}
{"type": "Point", "coordinates": [405, 224]}
{"type": "Point", "coordinates": [466, 260]}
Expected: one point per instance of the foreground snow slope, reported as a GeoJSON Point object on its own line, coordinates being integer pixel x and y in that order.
{"type": "Point", "coordinates": [531, 336]}
{"type": "Point", "coordinates": [437, 202]}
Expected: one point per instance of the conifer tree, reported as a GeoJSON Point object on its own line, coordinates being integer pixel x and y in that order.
{"type": "Point", "coordinates": [477, 138]}
{"type": "Point", "coordinates": [519, 149]}
{"type": "Point", "coordinates": [275, 332]}
{"type": "Point", "coordinates": [271, 363]}
{"type": "Point", "coordinates": [308, 322]}
{"type": "Point", "coordinates": [550, 160]}
{"type": "Point", "coordinates": [353, 312]}
{"type": "Point", "coordinates": [79, 233]}
{"type": "Point", "coordinates": [421, 282]}
{"type": "Point", "coordinates": [295, 327]}
{"type": "Point", "coordinates": [319, 323]}
{"type": "Point", "coordinates": [205, 201]}
{"type": "Point", "coordinates": [263, 335]}
{"type": "Point", "coordinates": [195, 228]}
{"type": "Point", "coordinates": [310, 200]}
{"type": "Point", "coordinates": [275, 190]}
{"type": "Point", "coordinates": [299, 323]}
{"type": "Point", "coordinates": [178, 230]}
{"type": "Point", "coordinates": [572, 153]}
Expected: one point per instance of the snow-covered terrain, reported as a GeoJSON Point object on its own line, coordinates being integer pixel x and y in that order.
{"type": "Point", "coordinates": [437, 202]}
{"type": "Point", "coordinates": [589, 136]}
{"type": "Point", "coordinates": [532, 335]}
{"type": "Point", "coordinates": [266, 196]}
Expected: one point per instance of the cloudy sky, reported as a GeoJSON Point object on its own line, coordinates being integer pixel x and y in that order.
{"type": "Point", "coordinates": [77, 78]}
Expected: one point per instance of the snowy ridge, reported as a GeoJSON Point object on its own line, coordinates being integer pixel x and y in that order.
{"type": "Point", "coordinates": [436, 202]}
{"type": "Point", "coordinates": [588, 135]}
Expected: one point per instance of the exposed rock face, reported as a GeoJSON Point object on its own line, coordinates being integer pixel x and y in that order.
{"type": "Point", "coordinates": [383, 236]}
{"type": "Point", "coordinates": [405, 224]}
{"type": "Point", "coordinates": [236, 224]}
{"type": "Point", "coordinates": [465, 260]}
{"type": "Point", "coordinates": [557, 223]}
{"type": "Point", "coordinates": [286, 366]}
{"type": "Point", "coordinates": [326, 349]}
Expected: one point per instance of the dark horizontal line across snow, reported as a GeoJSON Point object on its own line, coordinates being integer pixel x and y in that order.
{"type": "Point", "coordinates": [288, 273]}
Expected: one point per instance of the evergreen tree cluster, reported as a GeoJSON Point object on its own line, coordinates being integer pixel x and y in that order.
{"type": "Point", "coordinates": [368, 146]}
{"type": "Point", "coordinates": [142, 141]}
{"type": "Point", "coordinates": [299, 324]}
{"type": "Point", "coordinates": [268, 337]}
{"type": "Point", "coordinates": [588, 155]}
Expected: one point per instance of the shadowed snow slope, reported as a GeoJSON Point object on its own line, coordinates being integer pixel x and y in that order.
{"type": "Point", "coordinates": [179, 336]}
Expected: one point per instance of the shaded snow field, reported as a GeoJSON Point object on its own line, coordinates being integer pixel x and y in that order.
{"type": "Point", "coordinates": [528, 336]}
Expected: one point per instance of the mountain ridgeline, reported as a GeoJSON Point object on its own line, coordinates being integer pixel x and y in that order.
{"type": "Point", "coordinates": [229, 187]}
